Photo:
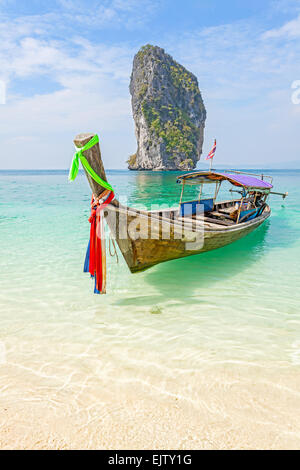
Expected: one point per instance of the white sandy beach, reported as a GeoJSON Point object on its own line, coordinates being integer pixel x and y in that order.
{"type": "Point", "coordinates": [239, 406]}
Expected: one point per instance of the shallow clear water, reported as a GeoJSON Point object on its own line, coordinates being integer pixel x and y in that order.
{"type": "Point", "coordinates": [239, 303]}
{"type": "Point", "coordinates": [186, 352]}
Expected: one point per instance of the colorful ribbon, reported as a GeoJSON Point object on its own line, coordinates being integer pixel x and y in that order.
{"type": "Point", "coordinates": [95, 261]}
{"type": "Point", "coordinates": [79, 156]}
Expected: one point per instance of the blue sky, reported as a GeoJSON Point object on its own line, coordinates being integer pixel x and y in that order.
{"type": "Point", "coordinates": [67, 65]}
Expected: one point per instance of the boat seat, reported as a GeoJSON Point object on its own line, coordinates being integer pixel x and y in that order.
{"type": "Point", "coordinates": [196, 207]}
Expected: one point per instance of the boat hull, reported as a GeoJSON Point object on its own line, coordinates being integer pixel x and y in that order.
{"type": "Point", "coordinates": [147, 239]}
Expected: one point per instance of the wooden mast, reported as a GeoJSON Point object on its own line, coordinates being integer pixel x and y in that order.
{"type": "Point", "coordinates": [93, 156]}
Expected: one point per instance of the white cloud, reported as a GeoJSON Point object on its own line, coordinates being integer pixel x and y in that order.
{"type": "Point", "coordinates": [291, 30]}
{"type": "Point", "coordinates": [131, 14]}
{"type": "Point", "coordinates": [93, 96]}
{"type": "Point", "coordinates": [285, 6]}
{"type": "Point", "coordinates": [245, 78]}
{"type": "Point", "coordinates": [38, 131]}
{"type": "Point", "coordinates": [245, 82]}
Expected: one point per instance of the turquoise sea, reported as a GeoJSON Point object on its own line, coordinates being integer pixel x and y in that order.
{"type": "Point", "coordinates": [233, 310]}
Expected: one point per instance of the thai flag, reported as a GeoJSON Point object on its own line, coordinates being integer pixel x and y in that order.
{"type": "Point", "coordinates": [212, 152]}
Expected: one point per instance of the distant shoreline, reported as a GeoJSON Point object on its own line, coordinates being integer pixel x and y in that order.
{"type": "Point", "coordinates": [66, 171]}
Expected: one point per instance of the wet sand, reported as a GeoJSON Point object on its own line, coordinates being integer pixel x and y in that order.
{"type": "Point", "coordinates": [231, 407]}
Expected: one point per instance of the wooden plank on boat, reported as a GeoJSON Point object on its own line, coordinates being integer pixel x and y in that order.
{"type": "Point", "coordinates": [220, 214]}
{"type": "Point", "coordinates": [226, 211]}
{"type": "Point", "coordinates": [218, 221]}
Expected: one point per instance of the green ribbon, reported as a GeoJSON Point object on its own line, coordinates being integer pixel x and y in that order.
{"type": "Point", "coordinates": [79, 156]}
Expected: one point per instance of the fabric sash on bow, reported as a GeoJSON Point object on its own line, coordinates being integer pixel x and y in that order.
{"type": "Point", "coordinates": [95, 261]}
{"type": "Point", "coordinates": [79, 156]}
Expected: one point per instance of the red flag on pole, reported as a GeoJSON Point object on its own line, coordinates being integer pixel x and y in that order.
{"type": "Point", "coordinates": [212, 152]}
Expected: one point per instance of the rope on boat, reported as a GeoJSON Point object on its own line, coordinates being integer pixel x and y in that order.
{"type": "Point", "coordinates": [115, 253]}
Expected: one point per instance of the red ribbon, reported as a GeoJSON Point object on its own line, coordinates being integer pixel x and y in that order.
{"type": "Point", "coordinates": [95, 264]}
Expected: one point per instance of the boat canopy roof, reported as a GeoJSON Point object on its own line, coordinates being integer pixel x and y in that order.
{"type": "Point", "coordinates": [241, 180]}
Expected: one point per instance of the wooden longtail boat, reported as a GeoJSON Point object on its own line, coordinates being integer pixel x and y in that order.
{"type": "Point", "coordinates": [147, 238]}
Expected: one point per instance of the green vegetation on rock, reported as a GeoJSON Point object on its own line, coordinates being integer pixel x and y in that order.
{"type": "Point", "coordinates": [177, 131]}
{"type": "Point", "coordinates": [143, 90]}
{"type": "Point", "coordinates": [187, 164]}
{"type": "Point", "coordinates": [132, 160]}
{"type": "Point", "coordinates": [144, 50]}
{"type": "Point", "coordinates": [168, 111]}
{"type": "Point", "coordinates": [181, 78]}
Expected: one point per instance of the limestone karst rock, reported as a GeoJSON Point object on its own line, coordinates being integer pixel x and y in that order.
{"type": "Point", "coordinates": [168, 112]}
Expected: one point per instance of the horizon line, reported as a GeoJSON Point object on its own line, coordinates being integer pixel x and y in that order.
{"type": "Point", "coordinates": [148, 171]}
